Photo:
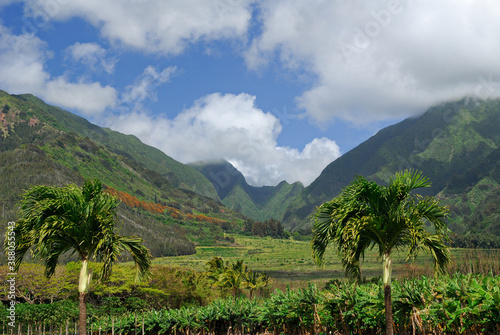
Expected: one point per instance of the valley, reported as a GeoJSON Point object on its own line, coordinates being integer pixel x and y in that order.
{"type": "Point", "coordinates": [176, 207]}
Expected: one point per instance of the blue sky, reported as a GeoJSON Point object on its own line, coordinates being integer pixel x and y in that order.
{"type": "Point", "coordinates": [280, 88]}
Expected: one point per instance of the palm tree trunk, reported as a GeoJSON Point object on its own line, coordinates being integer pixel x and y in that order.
{"type": "Point", "coordinates": [82, 320]}
{"type": "Point", "coordinates": [389, 329]}
{"type": "Point", "coordinates": [387, 272]}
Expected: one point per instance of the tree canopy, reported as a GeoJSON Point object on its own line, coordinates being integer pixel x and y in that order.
{"type": "Point", "coordinates": [56, 220]}
{"type": "Point", "coordinates": [366, 215]}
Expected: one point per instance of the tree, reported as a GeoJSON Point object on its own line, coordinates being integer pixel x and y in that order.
{"type": "Point", "coordinates": [366, 215]}
{"type": "Point", "coordinates": [254, 281]}
{"type": "Point", "coordinates": [234, 277]}
{"type": "Point", "coordinates": [54, 220]}
{"type": "Point", "coordinates": [259, 229]}
{"type": "Point", "coordinates": [274, 228]}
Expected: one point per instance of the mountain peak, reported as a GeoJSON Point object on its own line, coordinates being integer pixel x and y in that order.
{"type": "Point", "coordinates": [455, 144]}
{"type": "Point", "coordinates": [259, 203]}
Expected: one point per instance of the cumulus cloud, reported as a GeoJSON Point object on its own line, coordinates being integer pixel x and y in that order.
{"type": "Point", "coordinates": [93, 56]}
{"type": "Point", "coordinates": [144, 87]}
{"type": "Point", "coordinates": [232, 127]}
{"type": "Point", "coordinates": [369, 60]}
{"type": "Point", "coordinates": [155, 26]}
{"type": "Point", "coordinates": [377, 60]}
{"type": "Point", "coordinates": [22, 59]}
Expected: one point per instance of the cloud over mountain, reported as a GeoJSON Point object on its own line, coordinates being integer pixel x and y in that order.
{"type": "Point", "coordinates": [22, 70]}
{"type": "Point", "coordinates": [364, 63]}
{"type": "Point", "coordinates": [232, 127]}
{"type": "Point", "coordinates": [382, 59]}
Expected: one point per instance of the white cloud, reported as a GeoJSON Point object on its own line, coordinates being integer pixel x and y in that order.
{"type": "Point", "coordinates": [156, 26]}
{"type": "Point", "coordinates": [231, 127]}
{"type": "Point", "coordinates": [22, 59]}
{"type": "Point", "coordinates": [377, 60]}
{"type": "Point", "coordinates": [89, 98]}
{"type": "Point", "coordinates": [144, 87]}
{"type": "Point", "coordinates": [371, 60]}
{"type": "Point", "coordinates": [93, 56]}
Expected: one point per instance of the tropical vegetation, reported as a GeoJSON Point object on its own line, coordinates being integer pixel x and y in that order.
{"type": "Point", "coordinates": [177, 210]}
{"type": "Point", "coordinates": [366, 216]}
{"type": "Point", "coordinates": [234, 277]}
{"type": "Point", "coordinates": [53, 221]}
{"type": "Point", "coordinates": [458, 304]}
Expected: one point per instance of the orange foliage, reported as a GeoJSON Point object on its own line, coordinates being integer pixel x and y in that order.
{"type": "Point", "coordinates": [175, 213]}
{"type": "Point", "coordinates": [132, 201]}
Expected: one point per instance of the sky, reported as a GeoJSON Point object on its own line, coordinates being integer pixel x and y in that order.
{"type": "Point", "coordinates": [279, 88]}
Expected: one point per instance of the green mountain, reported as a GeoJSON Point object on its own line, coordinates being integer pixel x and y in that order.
{"type": "Point", "coordinates": [455, 144]}
{"type": "Point", "coordinates": [169, 204]}
{"type": "Point", "coordinates": [172, 205]}
{"type": "Point", "coordinates": [129, 146]}
{"type": "Point", "coordinates": [258, 203]}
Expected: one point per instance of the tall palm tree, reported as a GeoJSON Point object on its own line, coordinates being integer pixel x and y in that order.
{"type": "Point", "coordinates": [366, 215]}
{"type": "Point", "coordinates": [55, 220]}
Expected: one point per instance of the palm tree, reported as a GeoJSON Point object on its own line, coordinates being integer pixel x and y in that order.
{"type": "Point", "coordinates": [55, 220]}
{"type": "Point", "coordinates": [215, 268]}
{"type": "Point", "coordinates": [254, 281]}
{"type": "Point", "coordinates": [366, 215]}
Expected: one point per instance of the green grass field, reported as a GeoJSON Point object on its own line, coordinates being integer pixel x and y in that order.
{"type": "Point", "coordinates": [290, 261]}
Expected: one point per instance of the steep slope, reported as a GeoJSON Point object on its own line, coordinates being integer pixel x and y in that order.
{"type": "Point", "coordinates": [259, 203]}
{"type": "Point", "coordinates": [455, 144]}
{"type": "Point", "coordinates": [35, 151]}
{"type": "Point", "coordinates": [23, 167]}
{"type": "Point", "coordinates": [178, 174]}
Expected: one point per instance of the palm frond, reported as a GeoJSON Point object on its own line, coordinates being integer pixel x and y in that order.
{"type": "Point", "coordinates": [365, 215]}
{"type": "Point", "coordinates": [54, 220]}
{"type": "Point", "coordinates": [438, 250]}
{"type": "Point", "coordinates": [141, 255]}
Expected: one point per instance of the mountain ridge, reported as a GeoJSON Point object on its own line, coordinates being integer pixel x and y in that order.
{"type": "Point", "coordinates": [258, 202]}
{"type": "Point", "coordinates": [122, 144]}
{"type": "Point", "coordinates": [455, 144]}
{"type": "Point", "coordinates": [39, 145]}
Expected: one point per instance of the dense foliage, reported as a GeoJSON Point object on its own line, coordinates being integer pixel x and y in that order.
{"type": "Point", "coordinates": [475, 241]}
{"type": "Point", "coordinates": [367, 216]}
{"type": "Point", "coordinates": [460, 304]}
{"type": "Point", "coordinates": [271, 227]}
{"type": "Point", "coordinates": [234, 277]}
{"type": "Point", "coordinates": [56, 220]}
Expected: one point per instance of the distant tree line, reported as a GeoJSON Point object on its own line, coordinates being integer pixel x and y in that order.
{"type": "Point", "coordinates": [271, 227]}
{"type": "Point", "coordinates": [484, 241]}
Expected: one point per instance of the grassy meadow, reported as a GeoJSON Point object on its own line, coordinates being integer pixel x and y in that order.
{"type": "Point", "coordinates": [290, 261]}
